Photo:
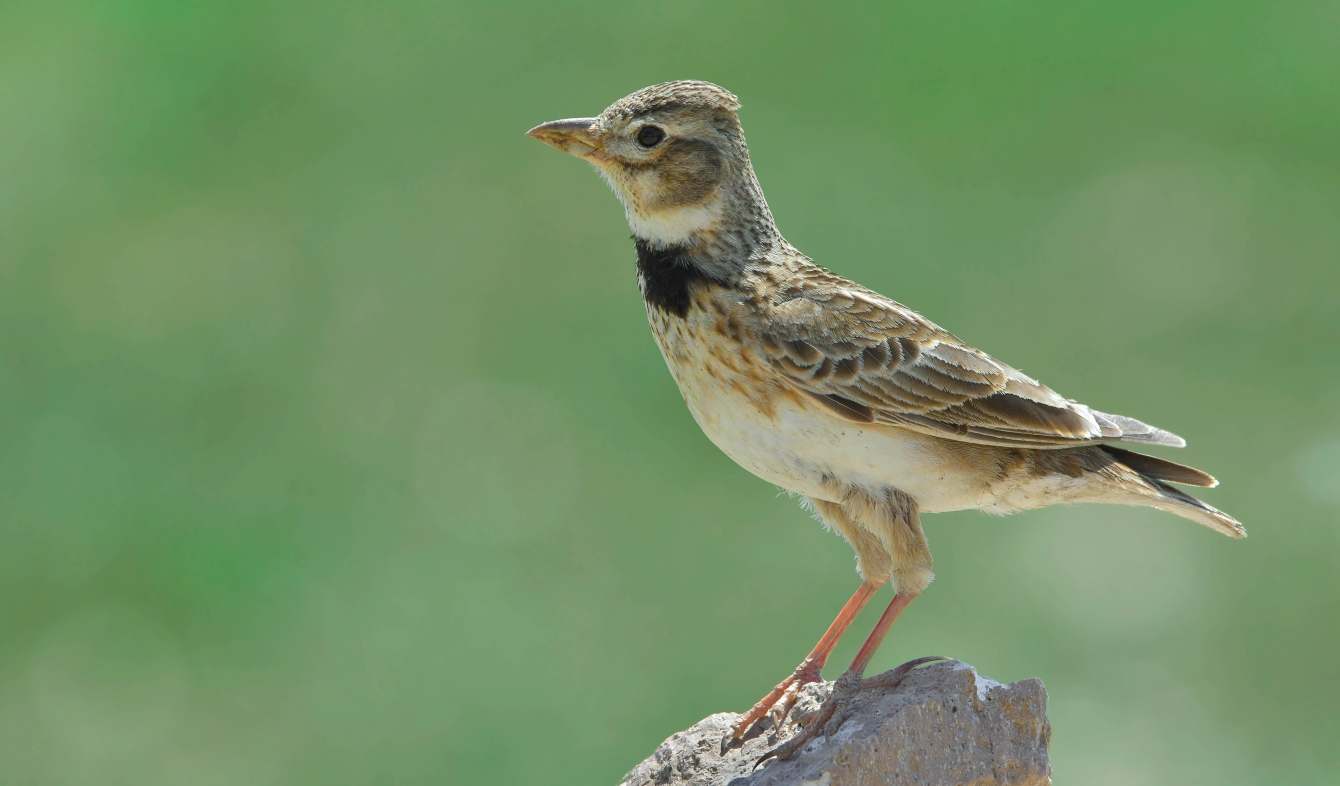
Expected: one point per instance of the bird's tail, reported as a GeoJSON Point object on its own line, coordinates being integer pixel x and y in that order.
{"type": "Point", "coordinates": [1156, 492]}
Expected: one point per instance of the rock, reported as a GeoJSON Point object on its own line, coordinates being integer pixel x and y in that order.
{"type": "Point", "coordinates": [944, 725]}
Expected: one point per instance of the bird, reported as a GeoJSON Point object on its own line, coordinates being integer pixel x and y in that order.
{"type": "Point", "coordinates": [866, 409]}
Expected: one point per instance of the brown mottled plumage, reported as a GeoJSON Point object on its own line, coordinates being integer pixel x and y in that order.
{"type": "Point", "coordinates": [831, 390]}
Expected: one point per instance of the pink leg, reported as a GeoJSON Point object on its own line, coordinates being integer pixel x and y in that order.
{"type": "Point", "coordinates": [851, 679]}
{"type": "Point", "coordinates": [808, 671]}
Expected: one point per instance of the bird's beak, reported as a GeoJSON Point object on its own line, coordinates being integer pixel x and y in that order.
{"type": "Point", "coordinates": [572, 136]}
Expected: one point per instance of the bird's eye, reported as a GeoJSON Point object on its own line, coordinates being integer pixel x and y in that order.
{"type": "Point", "coordinates": [650, 136]}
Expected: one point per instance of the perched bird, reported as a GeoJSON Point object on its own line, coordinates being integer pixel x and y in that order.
{"type": "Point", "coordinates": [832, 391]}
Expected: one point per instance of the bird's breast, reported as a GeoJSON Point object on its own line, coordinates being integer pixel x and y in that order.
{"type": "Point", "coordinates": [766, 426]}
{"type": "Point", "coordinates": [715, 362]}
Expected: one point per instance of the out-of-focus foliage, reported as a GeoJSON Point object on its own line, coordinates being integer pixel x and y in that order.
{"type": "Point", "coordinates": [334, 448]}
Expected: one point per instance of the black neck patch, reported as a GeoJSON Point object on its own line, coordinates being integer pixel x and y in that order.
{"type": "Point", "coordinates": [666, 276]}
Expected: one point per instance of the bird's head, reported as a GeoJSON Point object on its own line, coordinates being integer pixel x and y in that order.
{"type": "Point", "coordinates": [675, 155]}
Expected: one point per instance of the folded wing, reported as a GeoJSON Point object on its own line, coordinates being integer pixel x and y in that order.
{"type": "Point", "coordinates": [872, 360]}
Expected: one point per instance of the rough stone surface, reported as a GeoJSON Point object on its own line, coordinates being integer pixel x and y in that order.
{"type": "Point", "coordinates": [943, 726]}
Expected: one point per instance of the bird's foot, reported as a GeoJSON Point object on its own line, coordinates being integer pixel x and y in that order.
{"type": "Point", "coordinates": [779, 702]}
{"type": "Point", "coordinates": [830, 716]}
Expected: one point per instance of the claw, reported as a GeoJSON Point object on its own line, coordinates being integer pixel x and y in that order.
{"type": "Point", "coordinates": [783, 706]}
{"type": "Point", "coordinates": [760, 709]}
{"type": "Point", "coordinates": [894, 676]}
{"type": "Point", "coordinates": [784, 695]}
{"type": "Point", "coordinates": [786, 749]}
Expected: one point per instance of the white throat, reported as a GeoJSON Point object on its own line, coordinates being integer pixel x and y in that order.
{"type": "Point", "coordinates": [673, 226]}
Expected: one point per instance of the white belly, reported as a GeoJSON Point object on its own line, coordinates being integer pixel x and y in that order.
{"type": "Point", "coordinates": [787, 439]}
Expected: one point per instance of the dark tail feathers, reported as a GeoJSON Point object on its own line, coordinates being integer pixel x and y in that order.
{"type": "Point", "coordinates": [1158, 473]}
{"type": "Point", "coordinates": [1161, 469]}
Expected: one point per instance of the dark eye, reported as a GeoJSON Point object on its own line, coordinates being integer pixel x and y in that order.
{"type": "Point", "coordinates": [650, 136]}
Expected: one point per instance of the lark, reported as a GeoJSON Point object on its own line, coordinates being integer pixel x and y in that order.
{"type": "Point", "coordinates": [868, 410]}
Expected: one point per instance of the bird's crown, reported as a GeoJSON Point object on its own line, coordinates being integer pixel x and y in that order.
{"type": "Point", "coordinates": [684, 93]}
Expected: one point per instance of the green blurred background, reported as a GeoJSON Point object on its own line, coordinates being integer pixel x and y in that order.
{"type": "Point", "coordinates": [334, 447]}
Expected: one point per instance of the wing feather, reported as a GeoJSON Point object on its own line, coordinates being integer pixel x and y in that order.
{"type": "Point", "coordinates": [871, 359]}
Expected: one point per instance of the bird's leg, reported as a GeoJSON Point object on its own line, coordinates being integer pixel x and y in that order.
{"type": "Point", "coordinates": [783, 696]}
{"type": "Point", "coordinates": [851, 681]}
{"type": "Point", "coordinates": [881, 630]}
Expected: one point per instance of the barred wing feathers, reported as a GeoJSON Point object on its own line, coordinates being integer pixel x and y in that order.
{"type": "Point", "coordinates": [873, 360]}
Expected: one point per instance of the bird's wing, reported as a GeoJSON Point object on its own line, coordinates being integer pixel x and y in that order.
{"type": "Point", "coordinates": [873, 360]}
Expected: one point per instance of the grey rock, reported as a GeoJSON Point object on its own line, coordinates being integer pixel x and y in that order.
{"type": "Point", "coordinates": [944, 725]}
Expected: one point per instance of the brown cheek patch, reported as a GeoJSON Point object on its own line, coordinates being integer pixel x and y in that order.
{"type": "Point", "coordinates": [689, 172]}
